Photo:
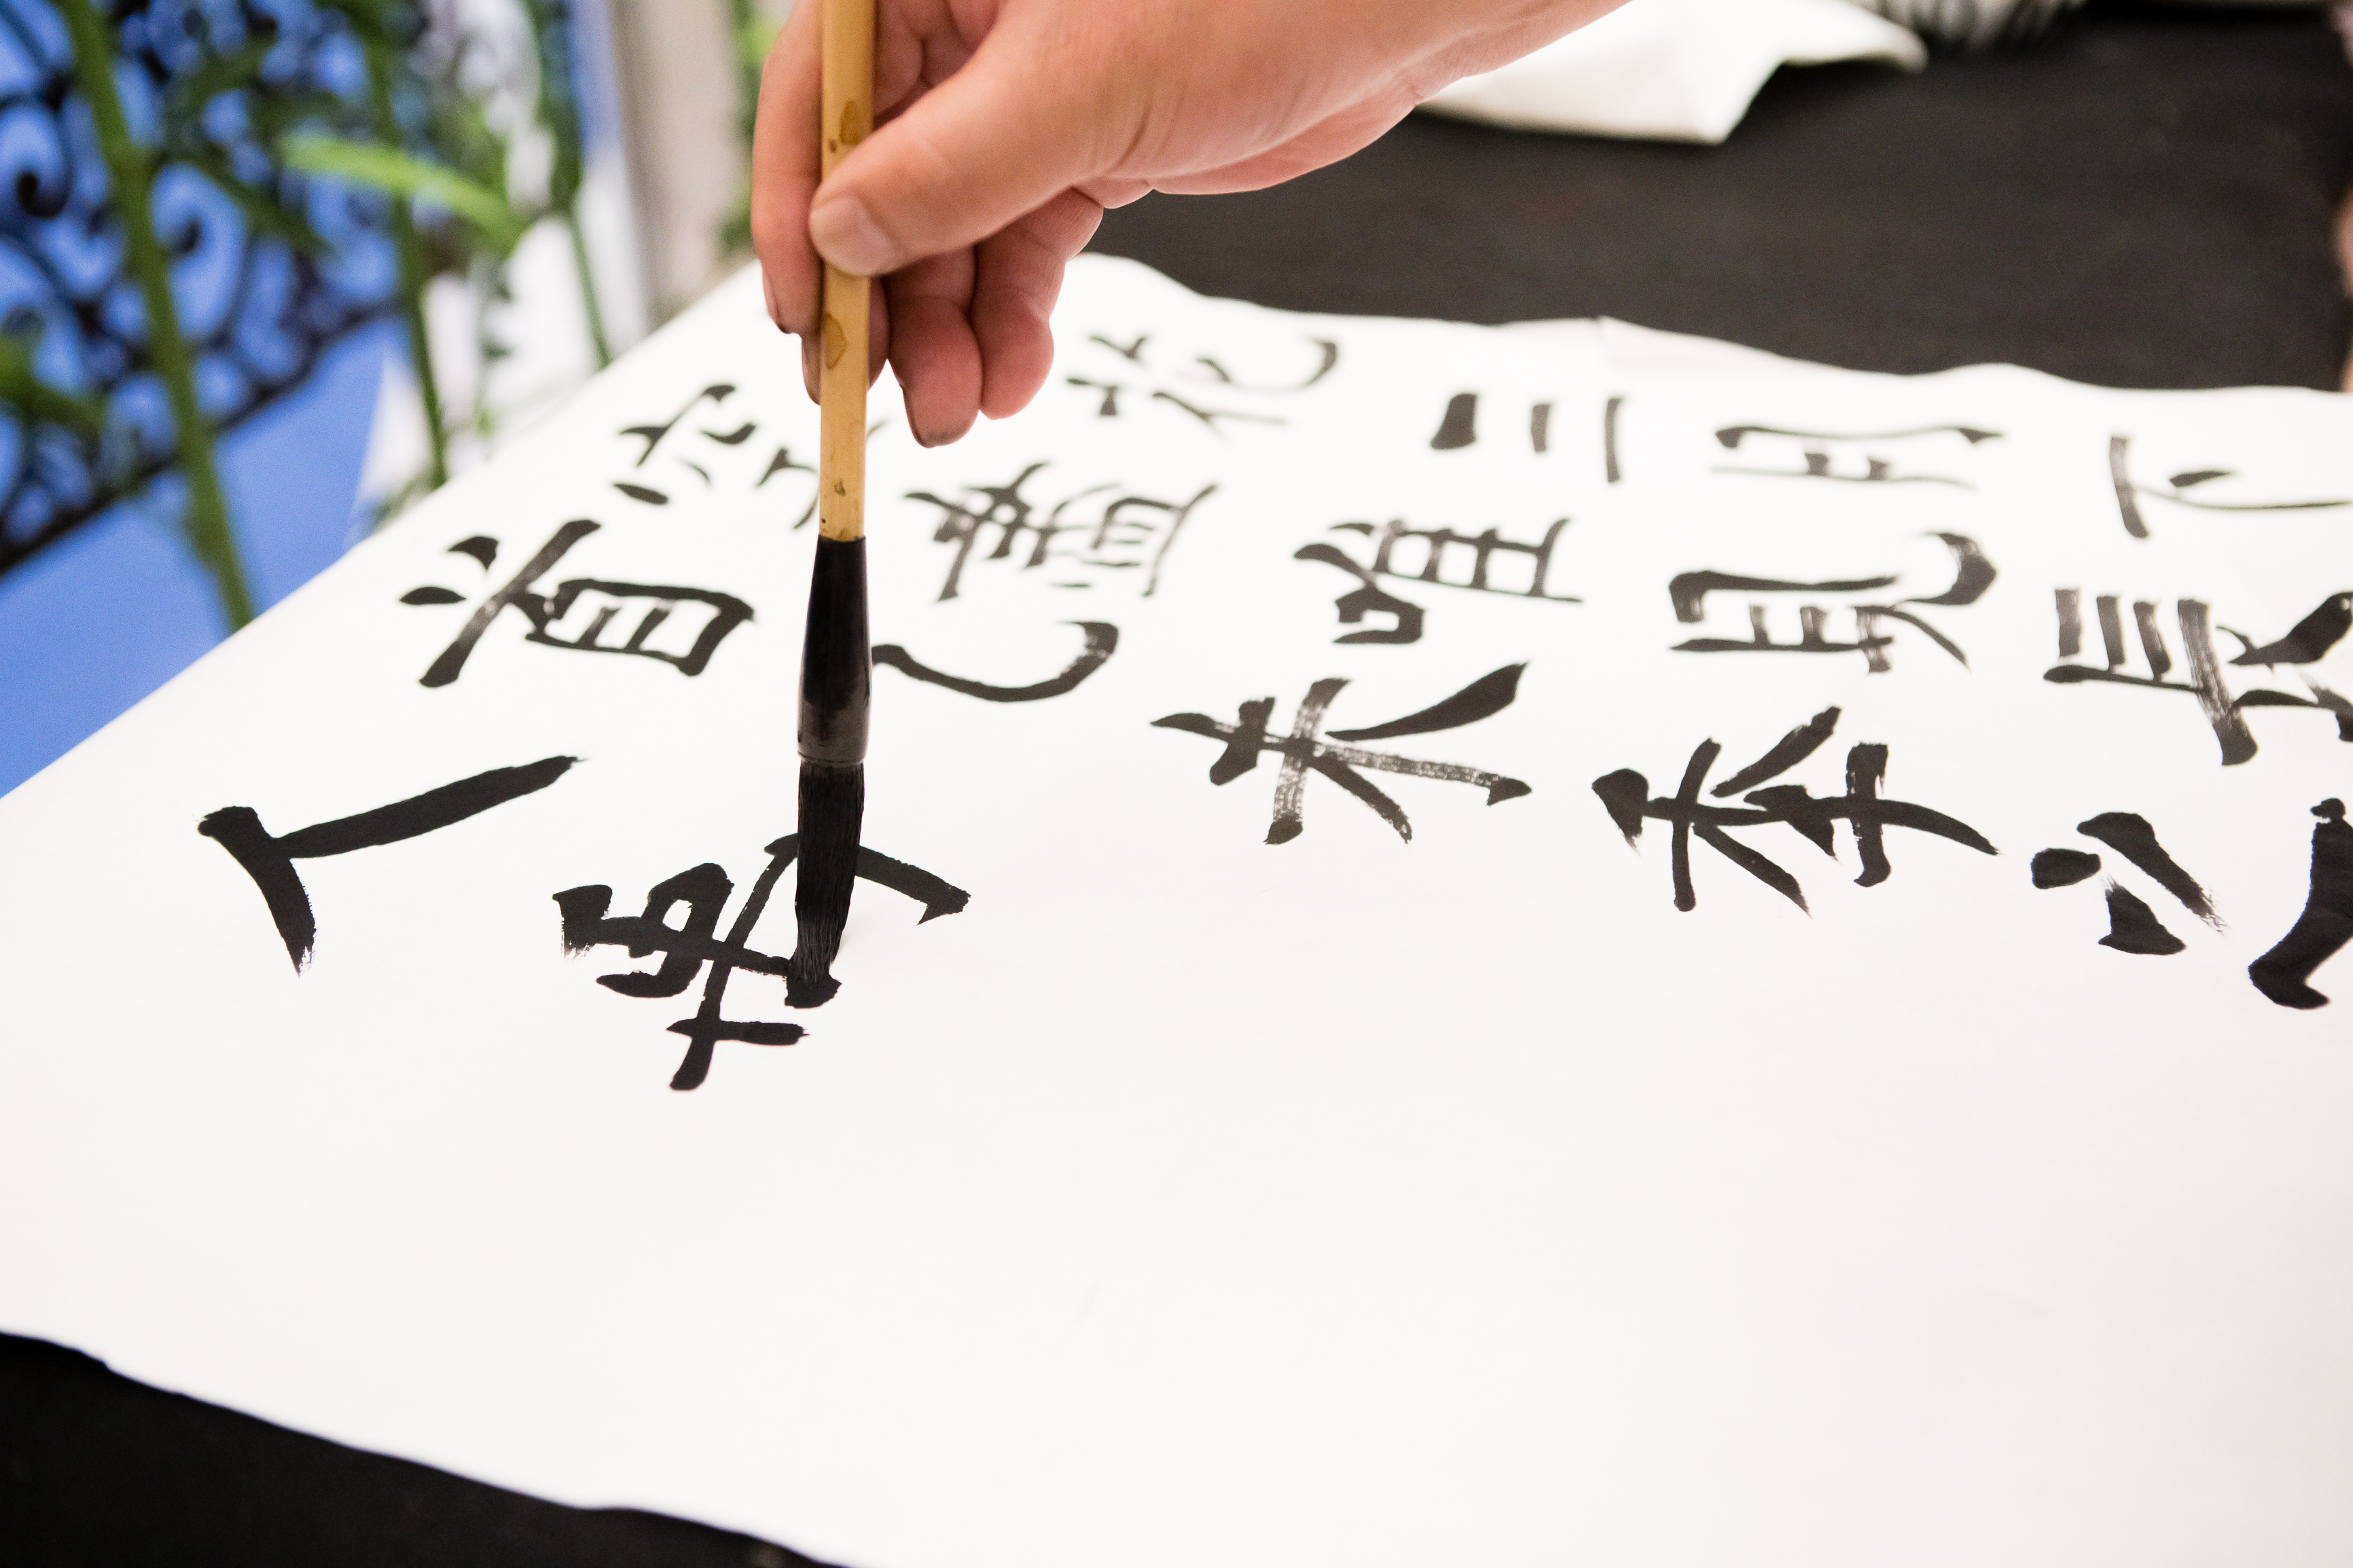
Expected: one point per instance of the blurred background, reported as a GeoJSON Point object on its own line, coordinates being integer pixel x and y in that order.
{"type": "Point", "coordinates": [392, 236]}
{"type": "Point", "coordinates": [272, 270]}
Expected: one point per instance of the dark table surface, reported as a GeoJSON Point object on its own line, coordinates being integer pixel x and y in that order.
{"type": "Point", "coordinates": [2147, 201]}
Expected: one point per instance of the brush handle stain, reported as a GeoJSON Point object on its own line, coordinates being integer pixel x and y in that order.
{"type": "Point", "coordinates": [847, 45]}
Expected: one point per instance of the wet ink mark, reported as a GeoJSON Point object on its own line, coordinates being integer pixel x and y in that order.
{"type": "Point", "coordinates": [2284, 974]}
{"type": "Point", "coordinates": [1626, 796]}
{"type": "Point", "coordinates": [686, 947]}
{"type": "Point", "coordinates": [1820, 454]}
{"type": "Point", "coordinates": [269, 862]}
{"type": "Point", "coordinates": [709, 616]}
{"type": "Point", "coordinates": [1972, 576]}
{"type": "Point", "coordinates": [1305, 750]}
{"type": "Point", "coordinates": [1101, 642]}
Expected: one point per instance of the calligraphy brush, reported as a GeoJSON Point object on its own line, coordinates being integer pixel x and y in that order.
{"type": "Point", "coordinates": [837, 662]}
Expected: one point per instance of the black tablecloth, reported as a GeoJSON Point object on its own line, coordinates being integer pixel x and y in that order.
{"type": "Point", "coordinates": [2149, 201]}
{"type": "Point", "coordinates": [2146, 202]}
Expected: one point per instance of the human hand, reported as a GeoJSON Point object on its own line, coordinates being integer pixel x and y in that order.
{"type": "Point", "coordinates": [1005, 127]}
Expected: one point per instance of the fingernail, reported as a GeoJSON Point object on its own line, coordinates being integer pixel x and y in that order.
{"type": "Point", "coordinates": [845, 233]}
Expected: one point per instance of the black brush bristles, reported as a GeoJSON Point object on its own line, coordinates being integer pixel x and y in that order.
{"type": "Point", "coordinates": [837, 691]}
{"type": "Point", "coordinates": [833, 801]}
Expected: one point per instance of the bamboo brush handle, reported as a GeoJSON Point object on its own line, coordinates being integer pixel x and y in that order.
{"type": "Point", "coordinates": [847, 34]}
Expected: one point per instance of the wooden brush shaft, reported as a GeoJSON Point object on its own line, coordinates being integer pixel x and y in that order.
{"type": "Point", "coordinates": [847, 115]}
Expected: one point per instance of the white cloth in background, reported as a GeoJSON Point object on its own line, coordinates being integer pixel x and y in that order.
{"type": "Point", "coordinates": [1676, 70]}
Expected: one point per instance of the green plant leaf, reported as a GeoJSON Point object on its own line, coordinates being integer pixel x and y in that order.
{"type": "Point", "coordinates": [396, 173]}
{"type": "Point", "coordinates": [34, 401]}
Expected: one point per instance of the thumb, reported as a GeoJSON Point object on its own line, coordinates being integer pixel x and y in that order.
{"type": "Point", "coordinates": [1022, 121]}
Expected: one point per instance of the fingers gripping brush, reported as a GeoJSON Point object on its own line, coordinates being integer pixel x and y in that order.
{"type": "Point", "coordinates": [837, 663]}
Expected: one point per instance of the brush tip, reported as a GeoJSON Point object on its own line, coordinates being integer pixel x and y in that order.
{"type": "Point", "coordinates": [832, 810]}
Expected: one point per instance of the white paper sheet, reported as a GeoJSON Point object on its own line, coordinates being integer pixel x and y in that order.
{"type": "Point", "coordinates": [1675, 70]}
{"type": "Point", "coordinates": [1189, 1197]}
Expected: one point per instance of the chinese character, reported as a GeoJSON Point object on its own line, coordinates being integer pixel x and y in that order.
{"type": "Point", "coordinates": [2285, 973]}
{"type": "Point", "coordinates": [2205, 682]}
{"type": "Point", "coordinates": [1858, 460]}
{"type": "Point", "coordinates": [1626, 794]}
{"type": "Point", "coordinates": [2178, 490]}
{"type": "Point", "coordinates": [1204, 372]}
{"type": "Point", "coordinates": [1440, 548]}
{"type": "Point", "coordinates": [1459, 427]}
{"type": "Point", "coordinates": [1111, 534]}
{"type": "Point", "coordinates": [581, 615]}
{"type": "Point", "coordinates": [1305, 750]}
{"type": "Point", "coordinates": [2307, 642]}
{"type": "Point", "coordinates": [655, 435]}
{"type": "Point", "coordinates": [693, 943]}
{"type": "Point", "coordinates": [269, 862]}
{"type": "Point", "coordinates": [1101, 642]}
{"type": "Point", "coordinates": [1972, 576]}
{"type": "Point", "coordinates": [2133, 926]}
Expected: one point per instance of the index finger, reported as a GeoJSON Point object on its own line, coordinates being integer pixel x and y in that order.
{"type": "Point", "coordinates": [785, 174]}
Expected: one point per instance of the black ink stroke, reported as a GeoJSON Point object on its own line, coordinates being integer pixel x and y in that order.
{"type": "Point", "coordinates": [1626, 796]}
{"type": "Point", "coordinates": [1973, 575]}
{"type": "Point", "coordinates": [1784, 753]}
{"type": "Point", "coordinates": [655, 434]}
{"type": "Point", "coordinates": [2306, 642]}
{"type": "Point", "coordinates": [1482, 699]}
{"type": "Point", "coordinates": [2131, 836]}
{"type": "Point", "coordinates": [1815, 450]}
{"type": "Point", "coordinates": [2129, 491]}
{"type": "Point", "coordinates": [1688, 591]}
{"type": "Point", "coordinates": [1101, 642]}
{"type": "Point", "coordinates": [2322, 930]}
{"type": "Point", "coordinates": [607, 602]}
{"type": "Point", "coordinates": [2231, 733]}
{"type": "Point", "coordinates": [2133, 927]}
{"type": "Point", "coordinates": [1460, 427]}
{"type": "Point", "coordinates": [269, 862]}
{"type": "Point", "coordinates": [2120, 475]}
{"type": "Point", "coordinates": [452, 660]}
{"type": "Point", "coordinates": [1368, 598]}
{"type": "Point", "coordinates": [1305, 750]}
{"type": "Point", "coordinates": [685, 948]}
{"type": "Point", "coordinates": [2064, 867]}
